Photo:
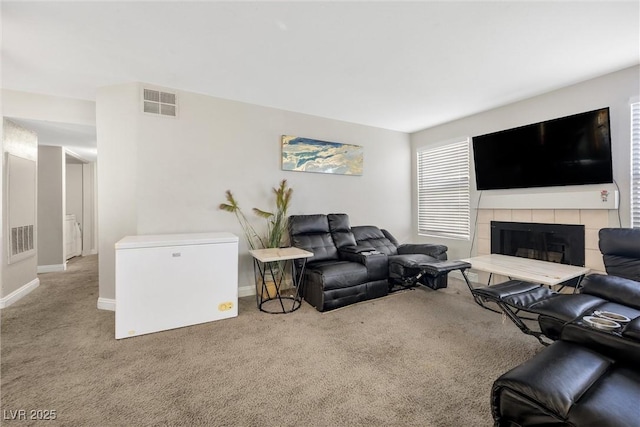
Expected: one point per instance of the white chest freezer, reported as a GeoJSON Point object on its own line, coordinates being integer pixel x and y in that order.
{"type": "Point", "coordinates": [174, 280]}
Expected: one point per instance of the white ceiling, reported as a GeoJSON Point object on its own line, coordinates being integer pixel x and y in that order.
{"type": "Point", "coordinates": [404, 66]}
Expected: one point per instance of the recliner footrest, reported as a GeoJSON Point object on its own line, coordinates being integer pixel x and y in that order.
{"type": "Point", "coordinates": [511, 297]}
{"type": "Point", "coordinates": [412, 268]}
{"type": "Point", "coordinates": [516, 293]}
{"type": "Point", "coordinates": [438, 268]}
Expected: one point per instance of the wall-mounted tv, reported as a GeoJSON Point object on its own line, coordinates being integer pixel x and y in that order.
{"type": "Point", "coordinates": [572, 150]}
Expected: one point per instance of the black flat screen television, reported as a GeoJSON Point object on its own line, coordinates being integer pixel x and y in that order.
{"type": "Point", "coordinates": [572, 150]}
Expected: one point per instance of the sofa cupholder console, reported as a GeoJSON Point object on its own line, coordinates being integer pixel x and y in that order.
{"type": "Point", "coordinates": [622, 342]}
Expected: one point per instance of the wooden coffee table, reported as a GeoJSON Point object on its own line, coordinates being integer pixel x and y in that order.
{"type": "Point", "coordinates": [530, 270]}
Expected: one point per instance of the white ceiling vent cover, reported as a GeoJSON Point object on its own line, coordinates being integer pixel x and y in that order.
{"type": "Point", "coordinates": [157, 102]}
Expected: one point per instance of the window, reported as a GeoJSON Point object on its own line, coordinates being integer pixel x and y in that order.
{"type": "Point", "coordinates": [635, 165]}
{"type": "Point", "coordinates": [443, 191]}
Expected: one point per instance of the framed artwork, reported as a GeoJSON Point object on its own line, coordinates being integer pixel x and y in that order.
{"type": "Point", "coordinates": [311, 155]}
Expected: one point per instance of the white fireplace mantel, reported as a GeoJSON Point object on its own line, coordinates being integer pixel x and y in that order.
{"type": "Point", "coordinates": [603, 197]}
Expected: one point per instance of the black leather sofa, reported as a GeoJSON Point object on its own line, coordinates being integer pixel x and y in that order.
{"type": "Point", "coordinates": [352, 264]}
{"type": "Point", "coordinates": [588, 376]}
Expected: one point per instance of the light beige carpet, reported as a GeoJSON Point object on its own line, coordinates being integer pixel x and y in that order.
{"type": "Point", "coordinates": [416, 358]}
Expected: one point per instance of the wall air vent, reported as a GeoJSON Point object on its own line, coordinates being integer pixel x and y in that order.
{"type": "Point", "coordinates": [21, 239]}
{"type": "Point", "coordinates": [157, 102]}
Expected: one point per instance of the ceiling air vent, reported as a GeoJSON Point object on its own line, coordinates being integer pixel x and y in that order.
{"type": "Point", "coordinates": [157, 102]}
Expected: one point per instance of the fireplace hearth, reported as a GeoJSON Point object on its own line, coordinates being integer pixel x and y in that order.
{"type": "Point", "coordinates": [561, 243]}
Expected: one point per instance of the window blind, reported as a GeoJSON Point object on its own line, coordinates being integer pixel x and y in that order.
{"type": "Point", "coordinates": [443, 191]}
{"type": "Point", "coordinates": [635, 165]}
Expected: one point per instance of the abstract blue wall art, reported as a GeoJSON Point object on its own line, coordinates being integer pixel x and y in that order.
{"type": "Point", "coordinates": [312, 155]}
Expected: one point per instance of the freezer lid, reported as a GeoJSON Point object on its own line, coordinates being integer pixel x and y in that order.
{"type": "Point", "coordinates": [163, 240]}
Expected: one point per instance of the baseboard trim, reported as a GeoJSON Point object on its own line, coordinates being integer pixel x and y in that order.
{"type": "Point", "coordinates": [107, 304]}
{"type": "Point", "coordinates": [19, 293]}
{"type": "Point", "coordinates": [110, 304]}
{"type": "Point", "coordinates": [249, 291]}
{"type": "Point", "coordinates": [52, 268]}
{"type": "Point", "coordinates": [246, 291]}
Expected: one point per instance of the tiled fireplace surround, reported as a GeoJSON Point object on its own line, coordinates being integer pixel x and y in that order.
{"type": "Point", "coordinates": [592, 219]}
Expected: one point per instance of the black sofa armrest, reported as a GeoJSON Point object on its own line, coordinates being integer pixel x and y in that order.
{"type": "Point", "coordinates": [543, 389]}
{"type": "Point", "coordinates": [613, 288]}
{"type": "Point", "coordinates": [622, 346]}
{"type": "Point", "coordinates": [436, 251]}
{"type": "Point", "coordinates": [632, 330]}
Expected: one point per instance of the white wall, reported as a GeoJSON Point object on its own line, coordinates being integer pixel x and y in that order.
{"type": "Point", "coordinates": [37, 106]}
{"type": "Point", "coordinates": [612, 90]}
{"type": "Point", "coordinates": [51, 208]}
{"type": "Point", "coordinates": [23, 143]}
{"type": "Point", "coordinates": [3, 237]}
{"type": "Point", "coordinates": [89, 210]}
{"type": "Point", "coordinates": [73, 183]}
{"type": "Point", "coordinates": [168, 175]}
{"type": "Point", "coordinates": [117, 122]}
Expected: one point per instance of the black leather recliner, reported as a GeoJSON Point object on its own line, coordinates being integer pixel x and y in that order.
{"type": "Point", "coordinates": [588, 377]}
{"type": "Point", "coordinates": [568, 385]}
{"type": "Point", "coordinates": [350, 264]}
{"type": "Point", "coordinates": [618, 291]}
{"type": "Point", "coordinates": [405, 261]}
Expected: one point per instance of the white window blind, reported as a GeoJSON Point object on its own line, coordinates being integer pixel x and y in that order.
{"type": "Point", "coordinates": [635, 165]}
{"type": "Point", "coordinates": [443, 191]}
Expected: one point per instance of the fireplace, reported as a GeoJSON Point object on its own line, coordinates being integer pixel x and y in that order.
{"type": "Point", "coordinates": [561, 243]}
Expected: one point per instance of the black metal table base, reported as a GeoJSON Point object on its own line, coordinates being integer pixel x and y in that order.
{"type": "Point", "coordinates": [285, 303]}
{"type": "Point", "coordinates": [513, 313]}
{"type": "Point", "coordinates": [295, 304]}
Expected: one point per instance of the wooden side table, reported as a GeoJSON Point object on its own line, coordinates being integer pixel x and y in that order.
{"type": "Point", "coordinates": [273, 262]}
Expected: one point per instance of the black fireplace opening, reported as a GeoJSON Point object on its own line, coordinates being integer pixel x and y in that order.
{"type": "Point", "coordinates": [561, 243]}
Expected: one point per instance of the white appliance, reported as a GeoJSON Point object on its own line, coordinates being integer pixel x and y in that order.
{"type": "Point", "coordinates": [170, 281]}
{"type": "Point", "coordinates": [72, 237]}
